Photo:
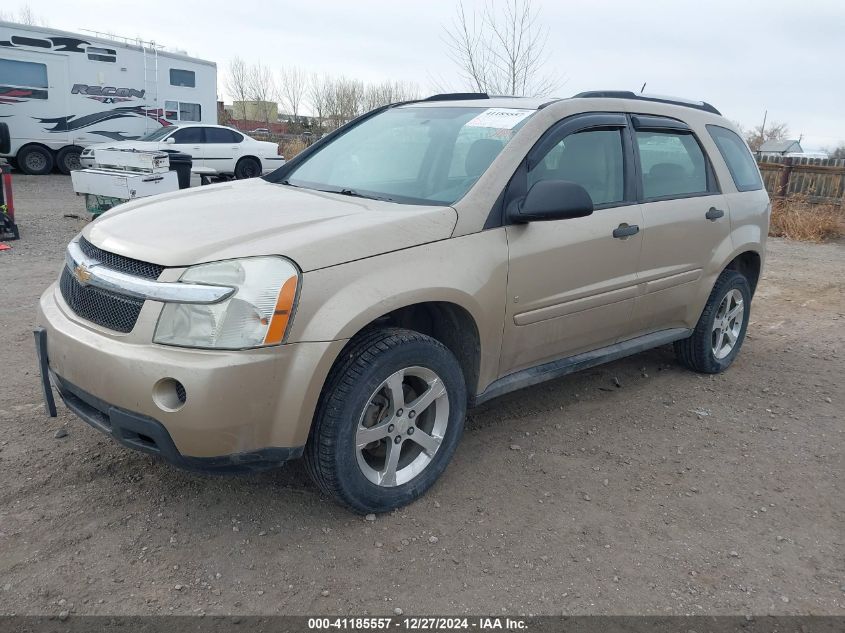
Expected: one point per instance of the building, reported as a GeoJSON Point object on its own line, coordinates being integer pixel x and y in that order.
{"type": "Point", "coordinates": [780, 148]}
{"type": "Point", "coordinates": [267, 111]}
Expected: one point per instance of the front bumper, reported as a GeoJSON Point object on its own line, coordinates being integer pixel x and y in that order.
{"type": "Point", "coordinates": [240, 407]}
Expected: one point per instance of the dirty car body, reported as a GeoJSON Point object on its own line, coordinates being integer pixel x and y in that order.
{"type": "Point", "coordinates": [424, 258]}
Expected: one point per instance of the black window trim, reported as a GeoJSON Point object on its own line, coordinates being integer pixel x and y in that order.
{"type": "Point", "coordinates": [232, 133]}
{"type": "Point", "coordinates": [650, 122]}
{"type": "Point", "coordinates": [201, 128]}
{"type": "Point", "coordinates": [740, 188]}
{"type": "Point", "coordinates": [516, 187]}
{"type": "Point", "coordinates": [181, 70]}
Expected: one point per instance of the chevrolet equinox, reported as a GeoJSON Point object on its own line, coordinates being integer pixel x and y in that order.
{"type": "Point", "coordinates": [426, 257]}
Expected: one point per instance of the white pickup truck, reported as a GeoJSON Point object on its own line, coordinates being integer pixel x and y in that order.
{"type": "Point", "coordinates": [217, 149]}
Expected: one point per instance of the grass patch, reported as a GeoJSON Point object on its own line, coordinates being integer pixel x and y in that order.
{"type": "Point", "coordinates": [292, 147]}
{"type": "Point", "coordinates": [796, 218]}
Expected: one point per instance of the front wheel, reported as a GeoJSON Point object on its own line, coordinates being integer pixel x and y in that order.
{"type": "Point", "coordinates": [719, 333]}
{"type": "Point", "coordinates": [389, 420]}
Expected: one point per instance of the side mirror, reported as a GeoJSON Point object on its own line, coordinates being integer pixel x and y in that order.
{"type": "Point", "coordinates": [553, 200]}
{"type": "Point", "coordinates": [170, 140]}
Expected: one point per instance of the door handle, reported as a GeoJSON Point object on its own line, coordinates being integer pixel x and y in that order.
{"type": "Point", "coordinates": [625, 230]}
{"type": "Point", "coordinates": [714, 214]}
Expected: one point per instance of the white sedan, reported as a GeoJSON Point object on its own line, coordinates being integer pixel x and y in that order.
{"type": "Point", "coordinates": [215, 149]}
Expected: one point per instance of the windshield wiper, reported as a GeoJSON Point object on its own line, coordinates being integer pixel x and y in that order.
{"type": "Point", "coordinates": [354, 194]}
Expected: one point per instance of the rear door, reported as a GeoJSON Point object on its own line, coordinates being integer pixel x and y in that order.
{"type": "Point", "coordinates": [572, 282]}
{"type": "Point", "coordinates": [685, 219]}
{"type": "Point", "coordinates": [221, 149]}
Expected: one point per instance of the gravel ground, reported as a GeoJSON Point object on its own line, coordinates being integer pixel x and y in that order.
{"type": "Point", "coordinates": [671, 493]}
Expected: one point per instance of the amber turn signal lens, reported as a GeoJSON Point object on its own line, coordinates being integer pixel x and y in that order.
{"type": "Point", "coordinates": [282, 313]}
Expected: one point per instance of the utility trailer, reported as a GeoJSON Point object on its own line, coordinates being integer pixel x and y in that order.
{"type": "Point", "coordinates": [60, 92]}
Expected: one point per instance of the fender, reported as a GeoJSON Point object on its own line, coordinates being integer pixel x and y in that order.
{"type": "Point", "coordinates": [471, 272]}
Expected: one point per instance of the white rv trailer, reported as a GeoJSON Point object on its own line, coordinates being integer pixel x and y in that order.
{"type": "Point", "coordinates": [60, 92]}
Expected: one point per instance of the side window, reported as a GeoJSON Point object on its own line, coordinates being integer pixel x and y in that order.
{"type": "Point", "coordinates": [180, 111]}
{"type": "Point", "coordinates": [593, 159]}
{"type": "Point", "coordinates": [171, 110]}
{"type": "Point", "coordinates": [188, 135]}
{"type": "Point", "coordinates": [189, 112]}
{"type": "Point", "coordinates": [672, 164]}
{"type": "Point", "coordinates": [185, 78]}
{"type": "Point", "coordinates": [101, 54]}
{"type": "Point", "coordinates": [741, 164]}
{"type": "Point", "coordinates": [221, 135]}
{"type": "Point", "coordinates": [22, 80]}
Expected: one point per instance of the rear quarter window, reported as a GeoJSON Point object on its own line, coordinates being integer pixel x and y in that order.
{"type": "Point", "coordinates": [741, 164]}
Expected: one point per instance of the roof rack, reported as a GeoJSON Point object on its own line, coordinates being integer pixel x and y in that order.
{"type": "Point", "coordinates": [627, 94]}
{"type": "Point", "coordinates": [457, 96]}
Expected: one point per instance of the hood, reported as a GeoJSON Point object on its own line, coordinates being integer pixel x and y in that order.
{"type": "Point", "coordinates": [254, 217]}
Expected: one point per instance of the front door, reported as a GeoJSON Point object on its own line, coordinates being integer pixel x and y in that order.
{"type": "Point", "coordinates": [187, 140]}
{"type": "Point", "coordinates": [572, 283]}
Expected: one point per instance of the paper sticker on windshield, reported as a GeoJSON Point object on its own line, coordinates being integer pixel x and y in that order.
{"type": "Point", "coordinates": [500, 118]}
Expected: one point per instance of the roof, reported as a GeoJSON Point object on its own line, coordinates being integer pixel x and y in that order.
{"type": "Point", "coordinates": [91, 38]}
{"type": "Point", "coordinates": [481, 100]}
{"type": "Point", "coordinates": [781, 146]}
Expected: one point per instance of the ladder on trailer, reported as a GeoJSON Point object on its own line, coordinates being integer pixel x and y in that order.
{"type": "Point", "coordinates": [150, 52]}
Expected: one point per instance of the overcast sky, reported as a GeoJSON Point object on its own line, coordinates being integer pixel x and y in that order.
{"type": "Point", "coordinates": [743, 56]}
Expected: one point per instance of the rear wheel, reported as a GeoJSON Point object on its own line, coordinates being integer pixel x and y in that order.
{"type": "Point", "coordinates": [720, 331]}
{"type": "Point", "coordinates": [247, 168]}
{"type": "Point", "coordinates": [67, 160]}
{"type": "Point", "coordinates": [389, 420]}
{"type": "Point", "coordinates": [35, 160]}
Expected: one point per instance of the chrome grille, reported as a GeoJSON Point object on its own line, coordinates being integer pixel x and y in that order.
{"type": "Point", "coordinates": [108, 309]}
{"type": "Point", "coordinates": [119, 262]}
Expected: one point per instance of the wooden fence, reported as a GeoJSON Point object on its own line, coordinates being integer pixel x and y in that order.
{"type": "Point", "coordinates": [821, 179]}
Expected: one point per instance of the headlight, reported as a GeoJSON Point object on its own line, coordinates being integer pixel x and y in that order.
{"type": "Point", "coordinates": [257, 314]}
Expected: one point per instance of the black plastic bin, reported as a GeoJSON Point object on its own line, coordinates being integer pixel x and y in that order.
{"type": "Point", "coordinates": [181, 164]}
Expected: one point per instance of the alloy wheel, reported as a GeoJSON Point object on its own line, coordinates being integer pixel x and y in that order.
{"type": "Point", "coordinates": [402, 426]}
{"type": "Point", "coordinates": [727, 324]}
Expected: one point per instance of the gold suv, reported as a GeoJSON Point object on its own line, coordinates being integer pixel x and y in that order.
{"type": "Point", "coordinates": [426, 257]}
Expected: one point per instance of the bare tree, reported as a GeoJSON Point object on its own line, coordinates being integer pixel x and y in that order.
{"type": "Point", "coordinates": [502, 50]}
{"type": "Point", "coordinates": [25, 15]}
{"type": "Point", "coordinates": [837, 152]}
{"type": "Point", "coordinates": [758, 135]}
{"type": "Point", "coordinates": [237, 85]}
{"type": "Point", "coordinates": [318, 96]}
{"type": "Point", "coordinates": [293, 84]}
{"type": "Point", "coordinates": [261, 88]}
{"type": "Point", "coordinates": [386, 92]}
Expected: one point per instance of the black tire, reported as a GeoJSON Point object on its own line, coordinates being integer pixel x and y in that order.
{"type": "Point", "coordinates": [697, 351]}
{"type": "Point", "coordinates": [35, 160]}
{"type": "Point", "coordinates": [67, 159]}
{"type": "Point", "coordinates": [331, 455]}
{"type": "Point", "coordinates": [247, 167]}
{"type": "Point", "coordinates": [5, 139]}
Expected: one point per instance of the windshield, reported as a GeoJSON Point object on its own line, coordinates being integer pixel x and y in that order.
{"type": "Point", "coordinates": [158, 134]}
{"type": "Point", "coordinates": [417, 155]}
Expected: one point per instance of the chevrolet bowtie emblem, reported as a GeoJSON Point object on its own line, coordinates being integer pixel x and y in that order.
{"type": "Point", "coordinates": [82, 274]}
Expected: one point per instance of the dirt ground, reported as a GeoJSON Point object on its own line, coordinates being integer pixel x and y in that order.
{"type": "Point", "coordinates": [673, 493]}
